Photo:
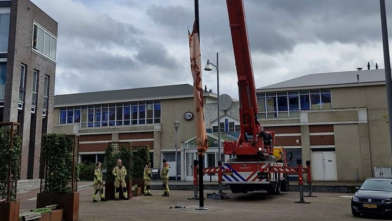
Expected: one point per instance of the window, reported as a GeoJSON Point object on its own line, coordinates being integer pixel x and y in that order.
{"type": "Point", "coordinates": [127, 114]}
{"type": "Point", "coordinates": [304, 99]}
{"type": "Point", "coordinates": [63, 116]}
{"type": "Point", "coordinates": [4, 31]}
{"type": "Point", "coordinates": [90, 118]}
{"type": "Point", "coordinates": [97, 122]}
{"type": "Point", "coordinates": [46, 92]}
{"type": "Point", "coordinates": [3, 77]}
{"type": "Point", "coordinates": [105, 115]}
{"type": "Point", "coordinates": [119, 117]}
{"type": "Point", "coordinates": [261, 103]}
{"type": "Point", "coordinates": [289, 104]}
{"type": "Point", "coordinates": [112, 115]}
{"type": "Point", "coordinates": [134, 113]}
{"type": "Point", "coordinates": [142, 113]}
{"type": "Point", "coordinates": [22, 83]}
{"type": "Point", "coordinates": [231, 127]}
{"type": "Point", "coordinates": [69, 115]}
{"type": "Point", "coordinates": [326, 99]}
{"type": "Point", "coordinates": [44, 42]}
{"type": "Point", "coordinates": [271, 105]}
{"type": "Point", "coordinates": [150, 112]}
{"type": "Point", "coordinates": [35, 88]}
{"type": "Point", "coordinates": [315, 99]}
{"type": "Point", "coordinates": [282, 105]}
{"type": "Point", "coordinates": [77, 115]}
{"type": "Point", "coordinates": [157, 112]}
{"type": "Point", "coordinates": [84, 117]}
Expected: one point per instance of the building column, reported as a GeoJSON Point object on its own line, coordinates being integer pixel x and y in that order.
{"type": "Point", "coordinates": [157, 148]}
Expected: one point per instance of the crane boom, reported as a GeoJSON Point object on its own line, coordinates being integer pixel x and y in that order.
{"type": "Point", "coordinates": [249, 141]}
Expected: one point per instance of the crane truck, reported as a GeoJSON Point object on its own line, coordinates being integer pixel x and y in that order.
{"type": "Point", "coordinates": [257, 164]}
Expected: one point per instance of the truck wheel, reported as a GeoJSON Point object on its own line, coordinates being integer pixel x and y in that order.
{"type": "Point", "coordinates": [285, 185]}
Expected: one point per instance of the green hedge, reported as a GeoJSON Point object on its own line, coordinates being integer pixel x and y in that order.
{"type": "Point", "coordinates": [86, 171]}
{"type": "Point", "coordinates": [111, 161]}
{"type": "Point", "coordinates": [56, 153]}
{"type": "Point", "coordinates": [141, 156]}
{"type": "Point", "coordinates": [16, 154]}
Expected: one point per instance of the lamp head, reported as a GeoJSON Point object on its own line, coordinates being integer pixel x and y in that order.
{"type": "Point", "coordinates": [208, 66]}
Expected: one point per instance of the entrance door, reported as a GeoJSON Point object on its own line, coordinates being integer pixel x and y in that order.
{"type": "Point", "coordinates": [331, 172]}
{"type": "Point", "coordinates": [317, 166]}
{"type": "Point", "coordinates": [324, 166]}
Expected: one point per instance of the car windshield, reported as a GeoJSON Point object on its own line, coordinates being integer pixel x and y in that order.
{"type": "Point", "coordinates": [377, 185]}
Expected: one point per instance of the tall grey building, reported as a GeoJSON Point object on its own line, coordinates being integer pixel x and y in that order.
{"type": "Point", "coordinates": [28, 42]}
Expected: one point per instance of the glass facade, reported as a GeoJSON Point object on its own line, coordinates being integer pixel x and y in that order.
{"type": "Point", "coordinates": [4, 32]}
{"type": "Point", "coordinates": [22, 83]}
{"type": "Point", "coordinates": [44, 42]}
{"type": "Point", "coordinates": [35, 88]}
{"type": "Point", "coordinates": [288, 104]}
{"type": "Point", "coordinates": [137, 113]}
{"type": "Point", "coordinates": [3, 77]}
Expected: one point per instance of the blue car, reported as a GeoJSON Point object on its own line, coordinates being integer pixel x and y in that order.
{"type": "Point", "coordinates": [373, 197]}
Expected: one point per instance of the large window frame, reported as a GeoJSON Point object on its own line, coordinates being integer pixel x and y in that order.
{"type": "Point", "coordinates": [44, 38]}
{"type": "Point", "coordinates": [319, 99]}
{"type": "Point", "coordinates": [119, 114]}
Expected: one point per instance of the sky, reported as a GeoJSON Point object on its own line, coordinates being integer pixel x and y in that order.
{"type": "Point", "coordinates": [120, 44]}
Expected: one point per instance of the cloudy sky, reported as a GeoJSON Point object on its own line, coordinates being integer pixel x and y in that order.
{"type": "Point", "coordinates": [117, 44]}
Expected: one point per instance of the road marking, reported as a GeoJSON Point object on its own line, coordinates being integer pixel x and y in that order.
{"type": "Point", "coordinates": [345, 196]}
{"type": "Point", "coordinates": [32, 199]}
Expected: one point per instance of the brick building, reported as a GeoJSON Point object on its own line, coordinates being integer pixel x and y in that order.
{"type": "Point", "coordinates": [28, 41]}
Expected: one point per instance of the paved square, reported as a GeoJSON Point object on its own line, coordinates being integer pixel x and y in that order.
{"type": "Point", "coordinates": [254, 206]}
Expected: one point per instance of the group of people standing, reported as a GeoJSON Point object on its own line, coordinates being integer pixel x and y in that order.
{"type": "Point", "coordinates": [120, 172]}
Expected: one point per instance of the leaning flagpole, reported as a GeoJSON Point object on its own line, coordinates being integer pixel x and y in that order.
{"type": "Point", "coordinates": [201, 135]}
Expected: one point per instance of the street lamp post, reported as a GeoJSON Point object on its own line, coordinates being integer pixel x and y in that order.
{"type": "Point", "coordinates": [208, 68]}
{"type": "Point", "coordinates": [176, 126]}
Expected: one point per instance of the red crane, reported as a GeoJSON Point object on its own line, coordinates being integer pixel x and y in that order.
{"type": "Point", "coordinates": [250, 143]}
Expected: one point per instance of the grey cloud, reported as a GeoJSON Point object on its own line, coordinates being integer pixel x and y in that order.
{"type": "Point", "coordinates": [172, 17]}
{"type": "Point", "coordinates": [156, 54]}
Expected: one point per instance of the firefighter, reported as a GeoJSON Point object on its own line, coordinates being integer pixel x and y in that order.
{"type": "Point", "coordinates": [147, 178]}
{"type": "Point", "coordinates": [165, 178]}
{"type": "Point", "coordinates": [98, 183]}
{"type": "Point", "coordinates": [119, 172]}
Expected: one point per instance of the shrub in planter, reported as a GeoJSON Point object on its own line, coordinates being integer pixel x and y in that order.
{"type": "Point", "coordinates": [125, 154]}
{"type": "Point", "coordinates": [11, 156]}
{"type": "Point", "coordinates": [86, 171]}
{"type": "Point", "coordinates": [141, 156]}
{"type": "Point", "coordinates": [57, 157]}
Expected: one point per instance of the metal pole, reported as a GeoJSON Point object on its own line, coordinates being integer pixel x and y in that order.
{"type": "Point", "coordinates": [219, 130]}
{"type": "Point", "coordinates": [387, 64]}
{"type": "Point", "coordinates": [201, 186]}
{"type": "Point", "coordinates": [197, 16]}
{"type": "Point", "coordinates": [175, 145]}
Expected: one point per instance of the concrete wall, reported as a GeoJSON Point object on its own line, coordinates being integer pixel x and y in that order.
{"type": "Point", "coordinates": [173, 110]}
{"type": "Point", "coordinates": [23, 13]}
{"type": "Point", "coordinates": [377, 131]}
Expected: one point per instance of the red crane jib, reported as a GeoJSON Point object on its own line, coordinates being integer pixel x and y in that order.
{"type": "Point", "coordinates": [250, 140]}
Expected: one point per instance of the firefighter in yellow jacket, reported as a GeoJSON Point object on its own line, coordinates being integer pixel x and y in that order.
{"type": "Point", "coordinates": [98, 183]}
{"type": "Point", "coordinates": [119, 172]}
{"type": "Point", "coordinates": [147, 178]}
{"type": "Point", "coordinates": [165, 178]}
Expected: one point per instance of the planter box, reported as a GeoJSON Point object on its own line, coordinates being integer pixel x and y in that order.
{"type": "Point", "coordinates": [109, 190]}
{"type": "Point", "coordinates": [139, 182]}
{"type": "Point", "coordinates": [139, 191]}
{"type": "Point", "coordinates": [57, 215]}
{"type": "Point", "coordinates": [69, 202]}
{"type": "Point", "coordinates": [46, 216]}
{"type": "Point", "coordinates": [9, 211]}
